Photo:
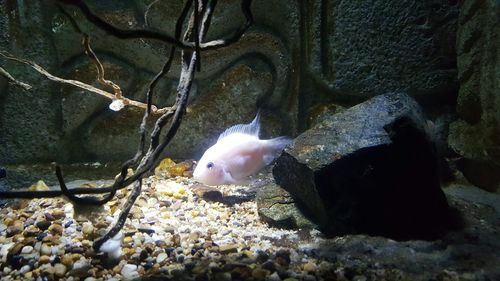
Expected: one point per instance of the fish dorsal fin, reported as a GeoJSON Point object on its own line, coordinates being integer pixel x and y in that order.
{"type": "Point", "coordinates": [252, 128]}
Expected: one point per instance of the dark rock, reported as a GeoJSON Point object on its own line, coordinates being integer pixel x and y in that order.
{"type": "Point", "coordinates": [476, 135]}
{"type": "Point", "coordinates": [3, 173]}
{"type": "Point", "coordinates": [68, 223]}
{"type": "Point", "coordinates": [282, 257]}
{"type": "Point", "coordinates": [43, 225]}
{"type": "Point", "coordinates": [262, 257]}
{"type": "Point", "coordinates": [146, 230]}
{"type": "Point", "coordinates": [148, 265]}
{"type": "Point", "coordinates": [269, 265]}
{"type": "Point", "coordinates": [49, 217]}
{"type": "Point", "coordinates": [169, 251]}
{"type": "Point", "coordinates": [16, 261]}
{"type": "Point", "coordinates": [41, 235]}
{"type": "Point", "coordinates": [370, 169]}
{"type": "Point", "coordinates": [161, 244]}
{"type": "Point", "coordinates": [206, 192]}
{"type": "Point", "coordinates": [277, 207]}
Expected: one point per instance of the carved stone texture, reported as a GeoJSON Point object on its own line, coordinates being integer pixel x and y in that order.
{"type": "Point", "coordinates": [297, 55]}
{"type": "Point", "coordinates": [29, 129]}
{"type": "Point", "coordinates": [233, 83]}
{"type": "Point", "coordinates": [476, 135]}
{"type": "Point", "coordinates": [359, 49]}
{"type": "Point", "coordinates": [369, 169]}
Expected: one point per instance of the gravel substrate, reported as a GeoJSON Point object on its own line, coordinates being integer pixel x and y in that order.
{"type": "Point", "coordinates": [172, 233]}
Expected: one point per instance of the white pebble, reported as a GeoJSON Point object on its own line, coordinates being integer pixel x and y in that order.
{"type": "Point", "coordinates": [68, 209]}
{"type": "Point", "coordinates": [7, 270]}
{"type": "Point", "coordinates": [129, 272]}
{"type": "Point", "coordinates": [24, 269]}
{"type": "Point", "coordinates": [273, 277]}
{"type": "Point", "coordinates": [113, 246]}
{"type": "Point", "coordinates": [45, 250]}
{"type": "Point", "coordinates": [54, 250]}
{"type": "Point", "coordinates": [4, 250]}
{"type": "Point", "coordinates": [81, 263]}
{"type": "Point", "coordinates": [161, 257]}
{"type": "Point", "coordinates": [26, 250]}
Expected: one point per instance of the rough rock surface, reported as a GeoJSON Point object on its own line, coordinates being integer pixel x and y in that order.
{"type": "Point", "coordinates": [277, 207]}
{"type": "Point", "coordinates": [359, 49]}
{"type": "Point", "coordinates": [476, 135]}
{"type": "Point", "coordinates": [369, 169]}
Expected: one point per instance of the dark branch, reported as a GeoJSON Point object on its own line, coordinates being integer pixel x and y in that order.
{"type": "Point", "coordinates": [149, 34]}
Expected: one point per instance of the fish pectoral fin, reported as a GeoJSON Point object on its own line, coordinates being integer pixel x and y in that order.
{"type": "Point", "coordinates": [228, 177]}
{"type": "Point", "coordinates": [268, 158]}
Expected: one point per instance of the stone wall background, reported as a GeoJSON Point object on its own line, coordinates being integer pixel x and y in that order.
{"type": "Point", "coordinates": [300, 60]}
{"type": "Point", "coordinates": [476, 134]}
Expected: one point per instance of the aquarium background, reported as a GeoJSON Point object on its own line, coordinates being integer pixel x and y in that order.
{"type": "Point", "coordinates": [317, 71]}
{"type": "Point", "coordinates": [299, 60]}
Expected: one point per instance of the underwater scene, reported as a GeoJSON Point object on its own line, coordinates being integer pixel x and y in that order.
{"type": "Point", "coordinates": [250, 140]}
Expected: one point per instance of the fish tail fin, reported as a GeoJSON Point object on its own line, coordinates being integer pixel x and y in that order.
{"type": "Point", "coordinates": [275, 147]}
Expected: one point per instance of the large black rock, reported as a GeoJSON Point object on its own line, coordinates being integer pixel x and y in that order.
{"type": "Point", "coordinates": [370, 169]}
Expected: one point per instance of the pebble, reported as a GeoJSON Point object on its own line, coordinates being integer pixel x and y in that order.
{"type": "Point", "coordinates": [56, 229]}
{"type": "Point", "coordinates": [169, 229]}
{"type": "Point", "coordinates": [129, 272]}
{"type": "Point", "coordinates": [161, 258]}
{"type": "Point", "coordinates": [228, 248]}
{"type": "Point", "coordinates": [43, 225]}
{"type": "Point", "coordinates": [87, 228]}
{"type": "Point", "coordinates": [223, 276]}
{"type": "Point", "coordinates": [45, 249]}
{"type": "Point", "coordinates": [273, 277]}
{"type": "Point", "coordinates": [24, 269]}
{"type": "Point", "coordinates": [67, 260]}
{"type": "Point", "coordinates": [13, 230]}
{"type": "Point", "coordinates": [31, 231]}
{"type": "Point", "coordinates": [60, 270]}
{"type": "Point", "coordinates": [44, 259]}
{"type": "Point", "coordinates": [41, 235]}
{"type": "Point", "coordinates": [27, 250]}
{"type": "Point", "coordinates": [283, 257]}
{"type": "Point", "coordinates": [310, 267]}
{"type": "Point", "coordinates": [260, 274]}
{"type": "Point", "coordinates": [58, 214]}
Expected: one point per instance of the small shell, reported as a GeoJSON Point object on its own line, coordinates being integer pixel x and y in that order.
{"type": "Point", "coordinates": [116, 105]}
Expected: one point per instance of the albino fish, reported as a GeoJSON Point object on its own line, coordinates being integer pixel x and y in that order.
{"type": "Point", "coordinates": [237, 154]}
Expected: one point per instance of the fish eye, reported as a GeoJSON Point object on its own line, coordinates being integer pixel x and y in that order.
{"type": "Point", "coordinates": [210, 165]}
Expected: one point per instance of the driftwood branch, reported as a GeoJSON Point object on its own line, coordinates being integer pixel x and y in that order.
{"type": "Point", "coordinates": [82, 85]}
{"type": "Point", "coordinates": [93, 57]}
{"type": "Point", "coordinates": [153, 154]}
{"type": "Point", "coordinates": [13, 80]}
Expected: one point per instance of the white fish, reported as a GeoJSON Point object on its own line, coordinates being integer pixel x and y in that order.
{"type": "Point", "coordinates": [237, 154]}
